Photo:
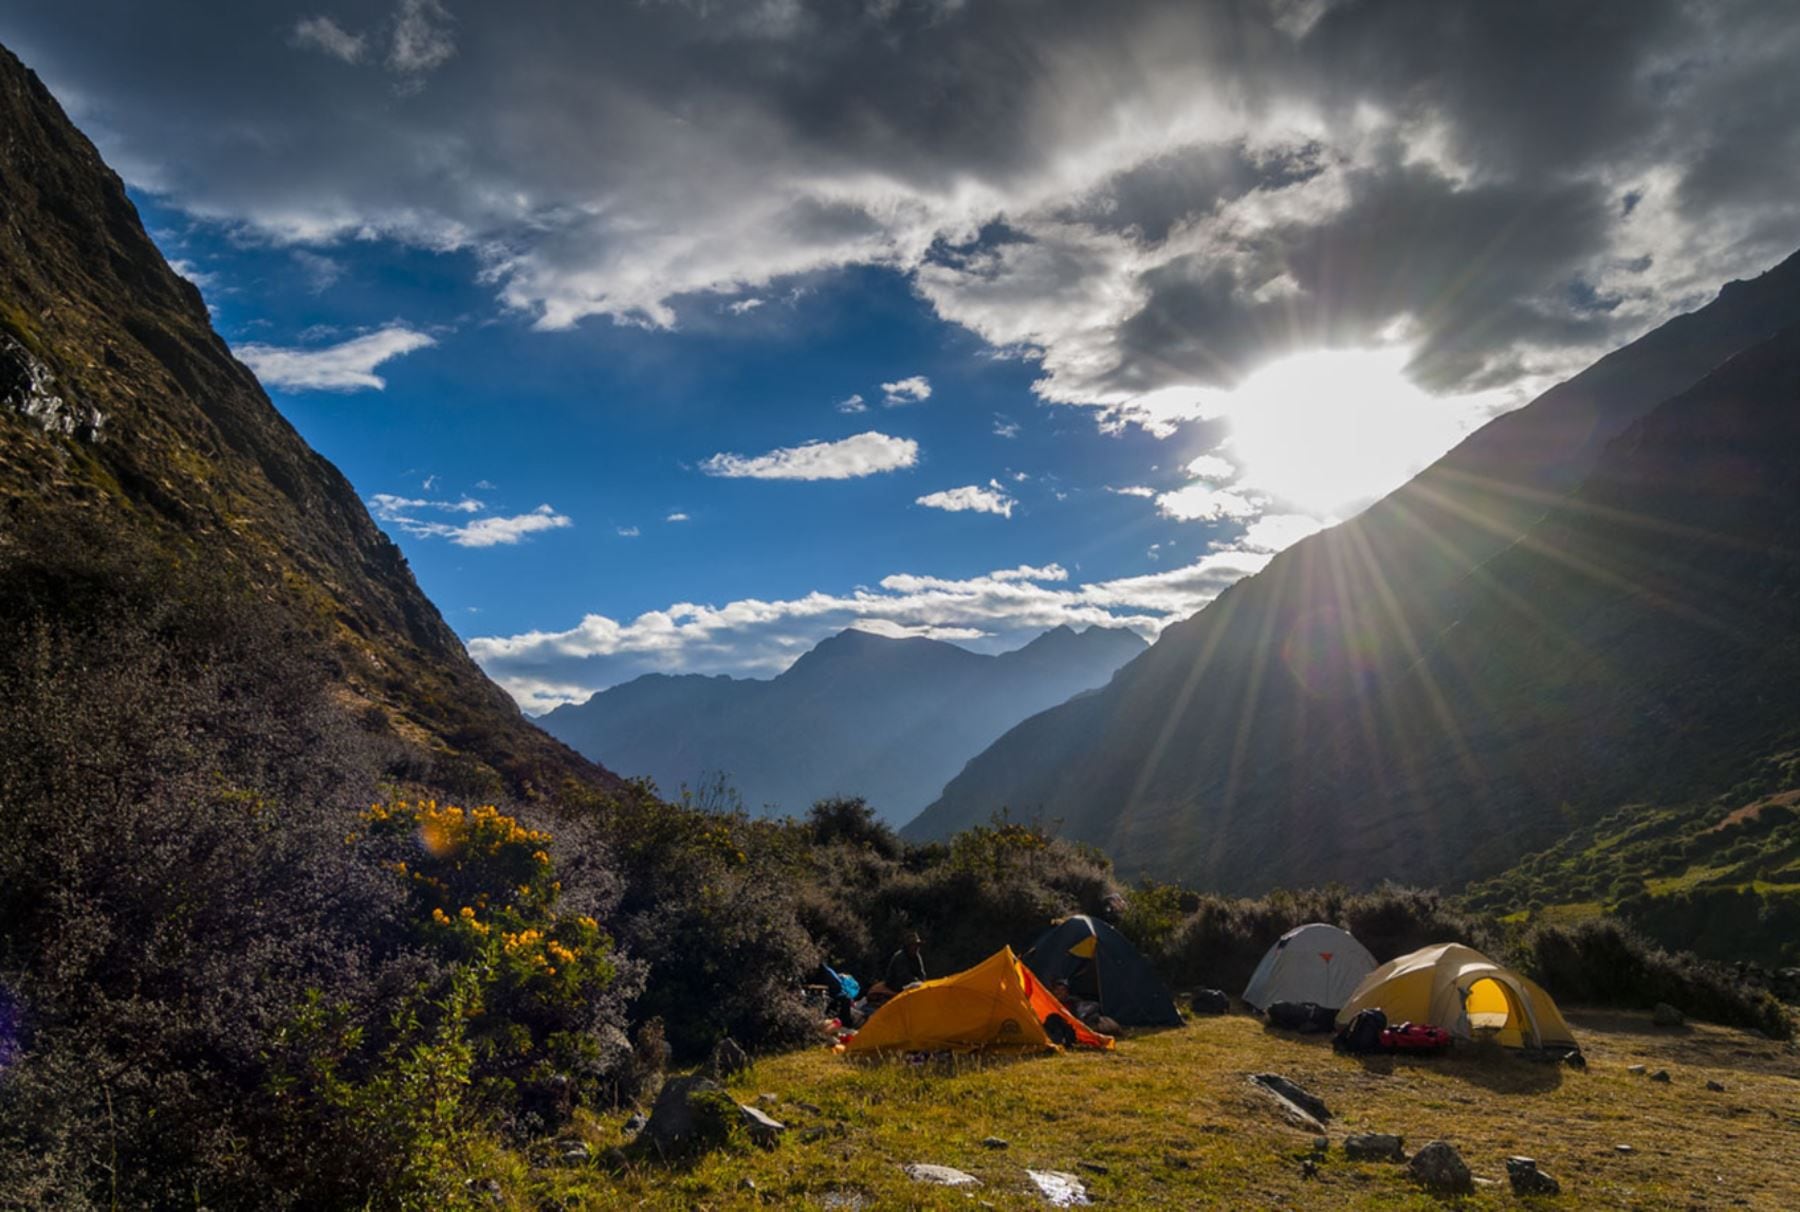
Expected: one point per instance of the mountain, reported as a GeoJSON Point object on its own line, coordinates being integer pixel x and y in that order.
{"type": "Point", "coordinates": [1437, 686]}
{"type": "Point", "coordinates": [123, 414]}
{"type": "Point", "coordinates": [890, 720]}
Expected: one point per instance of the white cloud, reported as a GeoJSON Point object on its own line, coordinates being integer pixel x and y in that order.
{"type": "Point", "coordinates": [865, 454]}
{"type": "Point", "coordinates": [971, 497]}
{"type": "Point", "coordinates": [324, 34]}
{"type": "Point", "coordinates": [743, 305]}
{"type": "Point", "coordinates": [1204, 503]}
{"type": "Point", "coordinates": [1275, 531]}
{"type": "Point", "coordinates": [911, 390]}
{"type": "Point", "coordinates": [754, 637]}
{"type": "Point", "coordinates": [852, 404]}
{"type": "Point", "coordinates": [677, 516]}
{"type": "Point", "coordinates": [628, 532]}
{"type": "Point", "coordinates": [1212, 468]}
{"type": "Point", "coordinates": [387, 505]}
{"type": "Point", "coordinates": [492, 531]}
{"type": "Point", "coordinates": [1005, 427]}
{"type": "Point", "coordinates": [422, 40]}
{"type": "Point", "coordinates": [193, 273]}
{"type": "Point", "coordinates": [348, 366]}
{"type": "Point", "coordinates": [321, 271]}
{"type": "Point", "coordinates": [1132, 490]}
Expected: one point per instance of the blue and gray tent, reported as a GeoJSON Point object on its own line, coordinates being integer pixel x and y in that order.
{"type": "Point", "coordinates": [1100, 964]}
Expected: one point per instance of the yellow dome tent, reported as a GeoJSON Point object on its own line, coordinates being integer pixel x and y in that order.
{"type": "Point", "coordinates": [996, 1004]}
{"type": "Point", "coordinates": [1466, 993]}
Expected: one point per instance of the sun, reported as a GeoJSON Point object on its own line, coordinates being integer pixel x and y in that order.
{"type": "Point", "coordinates": [1329, 431]}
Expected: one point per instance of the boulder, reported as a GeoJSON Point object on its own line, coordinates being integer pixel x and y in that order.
{"type": "Point", "coordinates": [942, 1176]}
{"type": "Point", "coordinates": [1527, 1179]}
{"type": "Point", "coordinates": [992, 1142]}
{"type": "Point", "coordinates": [728, 1059]}
{"type": "Point", "coordinates": [1440, 1168]}
{"type": "Point", "coordinates": [1665, 1015]}
{"type": "Point", "coordinates": [1375, 1146]}
{"type": "Point", "coordinates": [1661, 1075]}
{"type": "Point", "coordinates": [677, 1119]}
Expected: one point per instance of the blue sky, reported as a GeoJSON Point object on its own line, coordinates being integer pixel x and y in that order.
{"type": "Point", "coordinates": [1131, 295]}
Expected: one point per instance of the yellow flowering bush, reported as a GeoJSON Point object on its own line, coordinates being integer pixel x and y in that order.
{"type": "Point", "coordinates": [486, 894]}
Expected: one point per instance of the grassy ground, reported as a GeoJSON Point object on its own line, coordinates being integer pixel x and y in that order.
{"type": "Point", "coordinates": [1172, 1120]}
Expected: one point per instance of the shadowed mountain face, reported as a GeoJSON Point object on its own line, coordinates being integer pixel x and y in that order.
{"type": "Point", "coordinates": [890, 720]}
{"type": "Point", "coordinates": [123, 414]}
{"type": "Point", "coordinates": [1423, 692]}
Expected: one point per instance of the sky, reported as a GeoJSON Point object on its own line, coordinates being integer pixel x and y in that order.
{"type": "Point", "coordinates": [674, 335]}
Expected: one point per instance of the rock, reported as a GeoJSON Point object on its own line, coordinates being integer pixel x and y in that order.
{"type": "Point", "coordinates": [1717, 1087]}
{"type": "Point", "coordinates": [1321, 1144]}
{"type": "Point", "coordinates": [1375, 1146]}
{"type": "Point", "coordinates": [747, 1183]}
{"type": "Point", "coordinates": [1623, 1149]}
{"type": "Point", "coordinates": [574, 1152]}
{"type": "Point", "coordinates": [1665, 1015]}
{"type": "Point", "coordinates": [1093, 1167]}
{"type": "Point", "coordinates": [1297, 1106]}
{"type": "Point", "coordinates": [728, 1059]}
{"type": "Point", "coordinates": [764, 1129]}
{"type": "Point", "coordinates": [1635, 1069]}
{"type": "Point", "coordinates": [767, 1100]}
{"type": "Point", "coordinates": [635, 1124]}
{"type": "Point", "coordinates": [1309, 1168]}
{"type": "Point", "coordinates": [815, 1133]}
{"type": "Point", "coordinates": [810, 1109]}
{"type": "Point", "coordinates": [1059, 1188]}
{"type": "Point", "coordinates": [943, 1176]}
{"type": "Point", "coordinates": [1439, 1167]}
{"type": "Point", "coordinates": [1527, 1179]}
{"type": "Point", "coordinates": [672, 1123]}
{"type": "Point", "coordinates": [1661, 1075]}
{"type": "Point", "coordinates": [992, 1142]}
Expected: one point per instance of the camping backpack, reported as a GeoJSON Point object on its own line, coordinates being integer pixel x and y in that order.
{"type": "Point", "coordinates": [1291, 1015]}
{"type": "Point", "coordinates": [1211, 1001]}
{"type": "Point", "coordinates": [1060, 1030]}
{"type": "Point", "coordinates": [1363, 1032]}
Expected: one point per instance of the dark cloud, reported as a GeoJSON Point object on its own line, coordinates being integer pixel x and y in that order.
{"type": "Point", "coordinates": [1148, 194]}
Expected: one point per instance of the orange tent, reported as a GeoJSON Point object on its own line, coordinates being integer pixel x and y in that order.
{"type": "Point", "coordinates": [996, 1004]}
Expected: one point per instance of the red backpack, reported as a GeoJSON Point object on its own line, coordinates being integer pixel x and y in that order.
{"type": "Point", "coordinates": [1414, 1037]}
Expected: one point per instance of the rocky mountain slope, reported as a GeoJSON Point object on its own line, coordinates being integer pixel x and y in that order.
{"type": "Point", "coordinates": [1424, 691]}
{"type": "Point", "coordinates": [890, 720]}
{"type": "Point", "coordinates": [123, 414]}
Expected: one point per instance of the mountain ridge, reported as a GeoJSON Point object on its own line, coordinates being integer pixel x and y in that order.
{"type": "Point", "coordinates": [1168, 768]}
{"type": "Point", "coordinates": [858, 714]}
{"type": "Point", "coordinates": [130, 415]}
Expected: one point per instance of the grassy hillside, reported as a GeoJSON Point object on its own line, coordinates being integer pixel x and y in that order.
{"type": "Point", "coordinates": [1172, 1121]}
{"type": "Point", "coordinates": [1720, 876]}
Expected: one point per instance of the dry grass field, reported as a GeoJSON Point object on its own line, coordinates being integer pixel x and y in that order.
{"type": "Point", "coordinates": [1170, 1121]}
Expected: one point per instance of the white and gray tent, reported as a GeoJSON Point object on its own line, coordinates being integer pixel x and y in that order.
{"type": "Point", "coordinates": [1312, 963]}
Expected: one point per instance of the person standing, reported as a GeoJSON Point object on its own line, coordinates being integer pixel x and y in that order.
{"type": "Point", "coordinates": [907, 967]}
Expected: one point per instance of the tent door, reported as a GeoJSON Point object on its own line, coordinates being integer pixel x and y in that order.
{"type": "Point", "coordinates": [1493, 1007]}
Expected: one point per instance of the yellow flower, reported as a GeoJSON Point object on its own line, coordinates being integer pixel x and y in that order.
{"type": "Point", "coordinates": [440, 917]}
{"type": "Point", "coordinates": [467, 912]}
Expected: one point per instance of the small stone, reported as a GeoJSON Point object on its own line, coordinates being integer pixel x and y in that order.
{"type": "Point", "coordinates": [1639, 1069]}
{"type": "Point", "coordinates": [814, 1133]}
{"type": "Point", "coordinates": [1375, 1146]}
{"type": "Point", "coordinates": [942, 1176]}
{"type": "Point", "coordinates": [764, 1129]}
{"type": "Point", "coordinates": [992, 1142]}
{"type": "Point", "coordinates": [635, 1124]}
{"type": "Point", "coordinates": [766, 1099]}
{"type": "Point", "coordinates": [1059, 1188]}
{"type": "Point", "coordinates": [747, 1184]}
{"type": "Point", "coordinates": [1665, 1015]}
{"type": "Point", "coordinates": [574, 1153]}
{"type": "Point", "coordinates": [1309, 1168]}
{"type": "Point", "coordinates": [1623, 1149]}
{"type": "Point", "coordinates": [1321, 1144]}
{"type": "Point", "coordinates": [1093, 1167]}
{"type": "Point", "coordinates": [1439, 1167]}
{"type": "Point", "coordinates": [1661, 1075]}
{"type": "Point", "coordinates": [1527, 1179]}
{"type": "Point", "coordinates": [809, 1108]}
{"type": "Point", "coordinates": [1717, 1087]}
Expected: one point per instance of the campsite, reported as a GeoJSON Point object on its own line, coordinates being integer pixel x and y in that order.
{"type": "Point", "coordinates": [1168, 1120]}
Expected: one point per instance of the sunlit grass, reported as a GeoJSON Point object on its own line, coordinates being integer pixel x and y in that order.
{"type": "Point", "coordinates": [1172, 1121]}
